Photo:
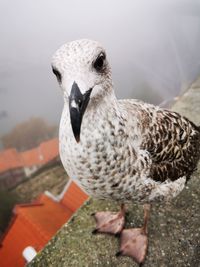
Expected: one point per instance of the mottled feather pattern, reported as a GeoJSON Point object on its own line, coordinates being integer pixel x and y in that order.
{"type": "Point", "coordinates": [128, 150]}
{"type": "Point", "coordinates": [121, 155]}
{"type": "Point", "coordinates": [173, 143]}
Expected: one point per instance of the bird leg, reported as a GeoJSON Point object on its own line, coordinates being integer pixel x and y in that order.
{"type": "Point", "coordinates": [134, 242]}
{"type": "Point", "coordinates": [109, 222]}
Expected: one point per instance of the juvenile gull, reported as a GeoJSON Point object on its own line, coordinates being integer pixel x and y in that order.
{"type": "Point", "coordinates": [124, 150]}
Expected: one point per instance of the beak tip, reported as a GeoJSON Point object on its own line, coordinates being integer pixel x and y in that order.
{"type": "Point", "coordinates": [77, 139]}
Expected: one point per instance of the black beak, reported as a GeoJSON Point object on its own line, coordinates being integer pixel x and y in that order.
{"type": "Point", "coordinates": [77, 106]}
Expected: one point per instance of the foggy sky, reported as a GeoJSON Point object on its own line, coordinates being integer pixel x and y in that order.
{"type": "Point", "coordinates": [153, 47]}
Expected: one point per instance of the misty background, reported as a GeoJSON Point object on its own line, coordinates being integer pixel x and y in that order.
{"type": "Point", "coordinates": [153, 48]}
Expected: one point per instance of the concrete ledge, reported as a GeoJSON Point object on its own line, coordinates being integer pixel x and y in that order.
{"type": "Point", "coordinates": [174, 229]}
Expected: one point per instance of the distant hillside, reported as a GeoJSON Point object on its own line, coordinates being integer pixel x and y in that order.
{"type": "Point", "coordinates": [52, 179]}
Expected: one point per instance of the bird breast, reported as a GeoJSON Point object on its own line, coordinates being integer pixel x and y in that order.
{"type": "Point", "coordinates": [103, 161]}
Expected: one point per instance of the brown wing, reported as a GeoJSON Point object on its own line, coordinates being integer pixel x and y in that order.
{"type": "Point", "coordinates": [174, 145]}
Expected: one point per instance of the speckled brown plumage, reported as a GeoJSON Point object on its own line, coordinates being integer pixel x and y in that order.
{"type": "Point", "coordinates": [128, 150]}
{"type": "Point", "coordinates": [173, 143]}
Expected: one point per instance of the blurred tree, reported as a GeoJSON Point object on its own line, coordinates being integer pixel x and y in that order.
{"type": "Point", "coordinates": [29, 134]}
{"type": "Point", "coordinates": [7, 202]}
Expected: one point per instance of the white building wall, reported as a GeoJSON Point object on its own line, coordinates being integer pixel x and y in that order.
{"type": "Point", "coordinates": [30, 170]}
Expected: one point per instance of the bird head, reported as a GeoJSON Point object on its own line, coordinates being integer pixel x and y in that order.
{"type": "Point", "coordinates": [84, 75]}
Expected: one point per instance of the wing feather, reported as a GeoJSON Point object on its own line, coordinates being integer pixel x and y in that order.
{"type": "Point", "coordinates": [173, 142]}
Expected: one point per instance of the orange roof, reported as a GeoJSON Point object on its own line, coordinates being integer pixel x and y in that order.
{"type": "Point", "coordinates": [17, 239]}
{"type": "Point", "coordinates": [49, 150]}
{"type": "Point", "coordinates": [33, 225]}
{"type": "Point", "coordinates": [10, 159]}
{"type": "Point", "coordinates": [31, 157]}
{"type": "Point", "coordinates": [74, 197]}
{"type": "Point", "coordinates": [47, 216]}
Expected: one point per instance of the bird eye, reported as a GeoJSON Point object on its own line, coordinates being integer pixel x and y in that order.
{"type": "Point", "coordinates": [99, 62]}
{"type": "Point", "coordinates": [58, 75]}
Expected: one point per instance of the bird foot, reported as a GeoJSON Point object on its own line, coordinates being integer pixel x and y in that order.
{"type": "Point", "coordinates": [133, 243]}
{"type": "Point", "coordinates": [109, 222]}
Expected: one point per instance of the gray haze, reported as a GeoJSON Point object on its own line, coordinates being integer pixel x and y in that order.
{"type": "Point", "coordinates": [153, 47]}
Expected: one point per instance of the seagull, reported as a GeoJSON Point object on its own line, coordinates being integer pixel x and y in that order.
{"type": "Point", "coordinates": [124, 150]}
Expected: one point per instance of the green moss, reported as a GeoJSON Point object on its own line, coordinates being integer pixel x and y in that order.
{"type": "Point", "coordinates": [174, 233]}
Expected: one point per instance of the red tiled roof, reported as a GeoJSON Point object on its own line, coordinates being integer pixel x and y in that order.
{"type": "Point", "coordinates": [46, 151]}
{"type": "Point", "coordinates": [10, 159]}
{"type": "Point", "coordinates": [34, 225]}
{"type": "Point", "coordinates": [17, 239]}
{"type": "Point", "coordinates": [49, 150]}
{"type": "Point", "coordinates": [31, 157]}
{"type": "Point", "coordinates": [74, 197]}
{"type": "Point", "coordinates": [3, 165]}
{"type": "Point", "coordinates": [48, 217]}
